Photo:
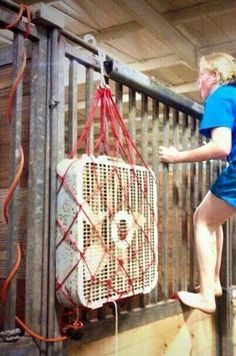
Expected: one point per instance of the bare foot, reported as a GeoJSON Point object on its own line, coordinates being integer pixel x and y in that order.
{"type": "Point", "coordinates": [218, 289]}
{"type": "Point", "coordinates": [197, 301]}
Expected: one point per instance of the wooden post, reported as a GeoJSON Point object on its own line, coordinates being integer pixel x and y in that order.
{"type": "Point", "coordinates": [36, 256]}
{"type": "Point", "coordinates": [225, 306]}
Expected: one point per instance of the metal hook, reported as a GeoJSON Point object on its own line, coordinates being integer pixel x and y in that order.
{"type": "Point", "coordinates": [90, 39]}
{"type": "Point", "coordinates": [101, 57]}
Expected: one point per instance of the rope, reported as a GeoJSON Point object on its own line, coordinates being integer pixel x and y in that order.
{"type": "Point", "coordinates": [36, 336]}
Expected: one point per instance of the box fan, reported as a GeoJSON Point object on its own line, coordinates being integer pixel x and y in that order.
{"type": "Point", "coordinates": [106, 231]}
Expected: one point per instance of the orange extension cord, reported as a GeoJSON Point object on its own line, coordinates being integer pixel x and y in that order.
{"type": "Point", "coordinates": [23, 8]}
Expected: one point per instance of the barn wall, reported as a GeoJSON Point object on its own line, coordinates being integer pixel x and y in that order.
{"type": "Point", "coordinates": [186, 333]}
{"type": "Point", "coordinates": [189, 333]}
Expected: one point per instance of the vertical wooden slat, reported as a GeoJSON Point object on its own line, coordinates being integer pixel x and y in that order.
{"type": "Point", "coordinates": [184, 208]}
{"type": "Point", "coordinates": [119, 103]}
{"type": "Point", "coordinates": [208, 170]}
{"type": "Point", "coordinates": [61, 98]}
{"type": "Point", "coordinates": [119, 96]}
{"type": "Point", "coordinates": [88, 102]}
{"type": "Point", "coordinates": [89, 86]}
{"type": "Point", "coordinates": [132, 116]}
{"type": "Point", "coordinates": [175, 246]}
{"type": "Point", "coordinates": [72, 105]}
{"type": "Point", "coordinates": [155, 167]}
{"type": "Point", "coordinates": [165, 205]}
{"type": "Point", "coordinates": [155, 136]}
{"type": "Point", "coordinates": [144, 127]}
{"type": "Point", "coordinates": [13, 228]}
{"type": "Point", "coordinates": [144, 148]}
{"type": "Point", "coordinates": [57, 348]}
{"type": "Point", "coordinates": [225, 316]}
{"type": "Point", "coordinates": [193, 204]}
{"type": "Point", "coordinates": [200, 175]}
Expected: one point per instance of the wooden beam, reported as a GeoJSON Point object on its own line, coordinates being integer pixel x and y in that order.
{"type": "Point", "coordinates": [119, 31]}
{"type": "Point", "coordinates": [32, 2]}
{"type": "Point", "coordinates": [46, 15]}
{"type": "Point", "coordinates": [180, 89]}
{"type": "Point", "coordinates": [156, 63]}
{"type": "Point", "coordinates": [194, 12]}
{"type": "Point", "coordinates": [185, 88]}
{"type": "Point", "coordinates": [6, 36]}
{"type": "Point", "coordinates": [125, 99]}
{"type": "Point", "coordinates": [228, 47]}
{"type": "Point", "coordinates": [142, 12]}
{"type": "Point", "coordinates": [73, 10]}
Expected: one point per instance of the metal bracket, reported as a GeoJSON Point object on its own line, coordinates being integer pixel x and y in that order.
{"type": "Point", "coordinates": [10, 335]}
{"type": "Point", "coordinates": [53, 103]}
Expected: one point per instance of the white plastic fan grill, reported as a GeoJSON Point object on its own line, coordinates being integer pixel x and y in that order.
{"type": "Point", "coordinates": [107, 231]}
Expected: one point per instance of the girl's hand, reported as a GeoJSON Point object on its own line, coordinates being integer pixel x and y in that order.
{"type": "Point", "coordinates": [168, 154]}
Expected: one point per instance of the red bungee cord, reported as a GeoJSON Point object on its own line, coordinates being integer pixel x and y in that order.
{"type": "Point", "coordinates": [23, 9]}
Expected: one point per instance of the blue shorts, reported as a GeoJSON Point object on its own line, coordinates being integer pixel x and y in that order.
{"type": "Point", "coordinates": [225, 185]}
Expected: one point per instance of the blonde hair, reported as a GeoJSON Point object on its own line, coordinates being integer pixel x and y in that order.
{"type": "Point", "coordinates": [222, 63]}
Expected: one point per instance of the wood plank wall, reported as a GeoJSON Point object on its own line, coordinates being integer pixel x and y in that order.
{"type": "Point", "coordinates": [180, 188]}
{"type": "Point", "coordinates": [6, 77]}
{"type": "Point", "coordinates": [190, 333]}
{"type": "Point", "coordinates": [176, 185]}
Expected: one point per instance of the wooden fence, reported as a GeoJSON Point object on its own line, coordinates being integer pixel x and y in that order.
{"type": "Point", "coordinates": [50, 108]}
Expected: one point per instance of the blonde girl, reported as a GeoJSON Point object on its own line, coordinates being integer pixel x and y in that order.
{"type": "Point", "coordinates": [217, 86]}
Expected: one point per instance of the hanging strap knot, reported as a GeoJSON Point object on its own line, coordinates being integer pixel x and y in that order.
{"type": "Point", "coordinates": [102, 58]}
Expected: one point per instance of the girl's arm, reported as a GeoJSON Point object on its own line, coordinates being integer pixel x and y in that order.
{"type": "Point", "coordinates": [218, 147]}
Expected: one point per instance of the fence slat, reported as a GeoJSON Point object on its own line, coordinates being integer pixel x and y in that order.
{"type": "Point", "coordinates": [61, 98]}
{"type": "Point", "coordinates": [155, 166]}
{"type": "Point", "coordinates": [89, 87]}
{"type": "Point", "coordinates": [193, 204]}
{"type": "Point", "coordinates": [72, 105]}
{"type": "Point", "coordinates": [119, 103]}
{"type": "Point", "coordinates": [132, 116]}
{"type": "Point", "coordinates": [165, 205]}
{"type": "Point", "coordinates": [144, 126]}
{"type": "Point", "coordinates": [175, 247]}
{"type": "Point", "coordinates": [184, 208]}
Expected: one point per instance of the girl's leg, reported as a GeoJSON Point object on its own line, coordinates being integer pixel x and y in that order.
{"type": "Point", "coordinates": [209, 216]}
{"type": "Point", "coordinates": [219, 248]}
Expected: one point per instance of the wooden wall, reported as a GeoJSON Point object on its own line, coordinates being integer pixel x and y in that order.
{"type": "Point", "coordinates": [6, 78]}
{"type": "Point", "coordinates": [182, 334]}
{"type": "Point", "coordinates": [189, 333]}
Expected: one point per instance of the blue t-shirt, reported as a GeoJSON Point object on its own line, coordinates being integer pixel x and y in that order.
{"type": "Point", "coordinates": [220, 111]}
